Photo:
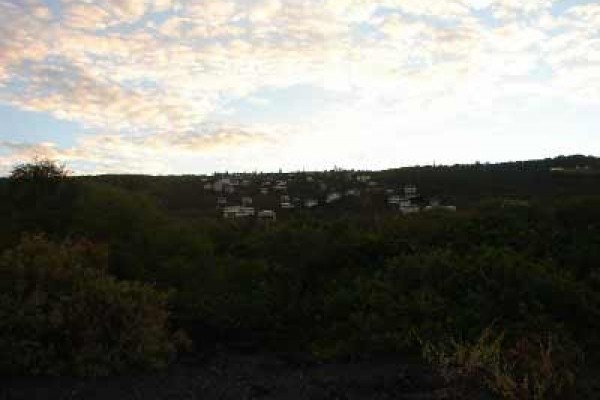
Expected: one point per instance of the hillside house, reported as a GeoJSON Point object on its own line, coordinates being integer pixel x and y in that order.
{"type": "Point", "coordinates": [332, 197]}
{"type": "Point", "coordinates": [353, 192]}
{"type": "Point", "coordinates": [280, 186]}
{"type": "Point", "coordinates": [310, 203]}
{"type": "Point", "coordinates": [394, 200]}
{"type": "Point", "coordinates": [410, 191]}
{"type": "Point", "coordinates": [219, 185]}
{"type": "Point", "coordinates": [267, 215]}
{"type": "Point", "coordinates": [234, 212]}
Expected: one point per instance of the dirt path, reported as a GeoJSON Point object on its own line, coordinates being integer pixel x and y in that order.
{"type": "Point", "coordinates": [238, 375]}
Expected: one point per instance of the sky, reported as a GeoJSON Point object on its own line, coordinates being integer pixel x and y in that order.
{"type": "Point", "coordinates": [192, 87]}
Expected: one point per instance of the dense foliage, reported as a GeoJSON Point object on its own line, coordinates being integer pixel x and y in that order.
{"type": "Point", "coordinates": [61, 313]}
{"type": "Point", "coordinates": [351, 281]}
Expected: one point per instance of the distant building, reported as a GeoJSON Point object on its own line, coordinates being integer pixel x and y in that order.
{"type": "Point", "coordinates": [280, 186]}
{"type": "Point", "coordinates": [394, 200]}
{"type": "Point", "coordinates": [267, 215]}
{"type": "Point", "coordinates": [287, 205]}
{"type": "Point", "coordinates": [353, 192]}
{"type": "Point", "coordinates": [363, 178]}
{"type": "Point", "coordinates": [229, 189]}
{"type": "Point", "coordinates": [410, 191]}
{"type": "Point", "coordinates": [219, 185]}
{"type": "Point", "coordinates": [409, 209]}
{"type": "Point", "coordinates": [208, 186]}
{"type": "Point", "coordinates": [332, 197]}
{"type": "Point", "coordinates": [285, 198]}
{"type": "Point", "coordinates": [264, 190]}
{"type": "Point", "coordinates": [234, 212]}
{"type": "Point", "coordinates": [310, 203]}
{"type": "Point", "coordinates": [436, 205]}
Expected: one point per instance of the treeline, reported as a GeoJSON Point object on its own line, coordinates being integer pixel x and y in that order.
{"type": "Point", "coordinates": [499, 293]}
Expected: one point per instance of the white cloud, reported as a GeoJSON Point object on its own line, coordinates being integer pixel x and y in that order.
{"type": "Point", "coordinates": [110, 65]}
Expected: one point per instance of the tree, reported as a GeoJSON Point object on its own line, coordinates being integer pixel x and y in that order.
{"type": "Point", "coordinates": [38, 170]}
{"type": "Point", "coordinates": [41, 196]}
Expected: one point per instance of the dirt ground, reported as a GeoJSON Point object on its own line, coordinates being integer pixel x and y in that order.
{"type": "Point", "coordinates": [233, 374]}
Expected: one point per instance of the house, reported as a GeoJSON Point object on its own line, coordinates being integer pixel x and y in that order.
{"type": "Point", "coordinates": [267, 215]}
{"type": "Point", "coordinates": [229, 189]}
{"type": "Point", "coordinates": [410, 191]}
{"type": "Point", "coordinates": [363, 178]}
{"type": "Point", "coordinates": [280, 186]}
{"type": "Point", "coordinates": [394, 200]}
{"type": "Point", "coordinates": [234, 212]}
{"type": "Point", "coordinates": [310, 203]}
{"type": "Point", "coordinates": [332, 197]}
{"type": "Point", "coordinates": [409, 209]}
{"type": "Point", "coordinates": [208, 186]}
{"type": "Point", "coordinates": [285, 198]}
{"type": "Point", "coordinates": [246, 201]}
{"type": "Point", "coordinates": [264, 190]}
{"type": "Point", "coordinates": [287, 205]}
{"type": "Point", "coordinates": [353, 192]}
{"type": "Point", "coordinates": [220, 184]}
{"type": "Point", "coordinates": [310, 179]}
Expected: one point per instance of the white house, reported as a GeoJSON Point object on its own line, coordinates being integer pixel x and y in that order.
{"type": "Point", "coordinates": [331, 197]}
{"type": "Point", "coordinates": [410, 191]}
{"type": "Point", "coordinates": [220, 184]}
{"type": "Point", "coordinates": [233, 212]}
{"type": "Point", "coordinates": [267, 215]}
{"type": "Point", "coordinates": [246, 201]}
{"type": "Point", "coordinates": [310, 203]}
{"type": "Point", "coordinates": [395, 200]}
{"type": "Point", "coordinates": [353, 192]}
{"type": "Point", "coordinates": [363, 178]}
{"type": "Point", "coordinates": [409, 209]}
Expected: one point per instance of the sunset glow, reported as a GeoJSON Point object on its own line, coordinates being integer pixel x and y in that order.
{"type": "Point", "coordinates": [177, 86]}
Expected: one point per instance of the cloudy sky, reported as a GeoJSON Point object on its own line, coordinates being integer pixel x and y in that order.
{"type": "Point", "coordinates": [182, 86]}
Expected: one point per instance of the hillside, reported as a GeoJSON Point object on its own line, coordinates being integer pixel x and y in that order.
{"type": "Point", "coordinates": [485, 276]}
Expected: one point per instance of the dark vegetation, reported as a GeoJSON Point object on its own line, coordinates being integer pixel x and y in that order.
{"type": "Point", "coordinates": [100, 274]}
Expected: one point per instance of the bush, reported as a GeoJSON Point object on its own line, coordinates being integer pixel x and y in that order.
{"type": "Point", "coordinates": [534, 367]}
{"type": "Point", "coordinates": [61, 313]}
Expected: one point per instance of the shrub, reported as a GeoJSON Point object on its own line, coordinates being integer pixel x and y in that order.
{"type": "Point", "coordinates": [534, 367]}
{"type": "Point", "coordinates": [61, 313]}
